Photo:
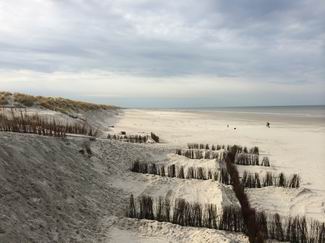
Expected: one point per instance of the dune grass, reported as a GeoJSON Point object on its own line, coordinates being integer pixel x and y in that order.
{"type": "Point", "coordinates": [52, 103]}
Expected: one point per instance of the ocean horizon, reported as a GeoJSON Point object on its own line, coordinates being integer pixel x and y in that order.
{"type": "Point", "coordinates": [316, 111]}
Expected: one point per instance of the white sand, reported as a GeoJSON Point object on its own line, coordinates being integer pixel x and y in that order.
{"type": "Point", "coordinates": [131, 230]}
{"type": "Point", "coordinates": [50, 192]}
{"type": "Point", "coordinates": [294, 145]}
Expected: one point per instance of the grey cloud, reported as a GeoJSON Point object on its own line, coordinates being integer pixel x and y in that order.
{"type": "Point", "coordinates": [250, 39]}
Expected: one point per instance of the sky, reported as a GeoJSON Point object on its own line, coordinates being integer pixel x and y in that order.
{"type": "Point", "coordinates": [163, 53]}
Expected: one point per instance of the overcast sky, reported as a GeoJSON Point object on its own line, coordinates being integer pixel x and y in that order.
{"type": "Point", "coordinates": [165, 53]}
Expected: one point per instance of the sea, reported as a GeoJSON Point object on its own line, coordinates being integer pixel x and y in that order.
{"type": "Point", "coordinates": [307, 115]}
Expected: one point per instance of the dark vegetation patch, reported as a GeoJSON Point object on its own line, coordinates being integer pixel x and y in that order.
{"type": "Point", "coordinates": [4, 96]}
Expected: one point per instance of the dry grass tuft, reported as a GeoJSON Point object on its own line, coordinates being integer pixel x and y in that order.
{"type": "Point", "coordinates": [4, 96]}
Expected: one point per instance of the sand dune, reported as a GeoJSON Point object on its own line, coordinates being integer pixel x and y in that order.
{"type": "Point", "coordinates": [52, 193]}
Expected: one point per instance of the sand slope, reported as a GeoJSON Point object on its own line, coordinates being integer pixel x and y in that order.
{"type": "Point", "coordinates": [50, 192]}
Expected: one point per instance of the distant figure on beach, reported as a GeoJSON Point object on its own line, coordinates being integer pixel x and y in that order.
{"type": "Point", "coordinates": [268, 124]}
{"type": "Point", "coordinates": [227, 125]}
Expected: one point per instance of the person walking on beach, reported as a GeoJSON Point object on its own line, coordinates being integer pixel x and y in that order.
{"type": "Point", "coordinates": [268, 124]}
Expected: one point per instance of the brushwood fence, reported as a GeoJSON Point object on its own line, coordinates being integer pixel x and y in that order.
{"type": "Point", "coordinates": [248, 180]}
{"type": "Point", "coordinates": [134, 138]}
{"type": "Point", "coordinates": [129, 138]}
{"type": "Point", "coordinates": [238, 148]}
{"type": "Point", "coordinates": [228, 218]}
{"type": "Point", "coordinates": [257, 226]}
{"type": "Point", "coordinates": [199, 173]}
{"type": "Point", "coordinates": [24, 123]}
{"type": "Point", "coordinates": [199, 154]}
{"type": "Point", "coordinates": [253, 180]}
{"type": "Point", "coordinates": [184, 213]}
{"type": "Point", "coordinates": [241, 158]}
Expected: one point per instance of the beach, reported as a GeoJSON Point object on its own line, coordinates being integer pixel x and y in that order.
{"type": "Point", "coordinates": [74, 195]}
{"type": "Point", "coordinates": [294, 143]}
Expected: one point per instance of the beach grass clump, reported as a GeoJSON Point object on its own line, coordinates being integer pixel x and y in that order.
{"type": "Point", "coordinates": [26, 100]}
{"type": "Point", "coordinates": [4, 98]}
